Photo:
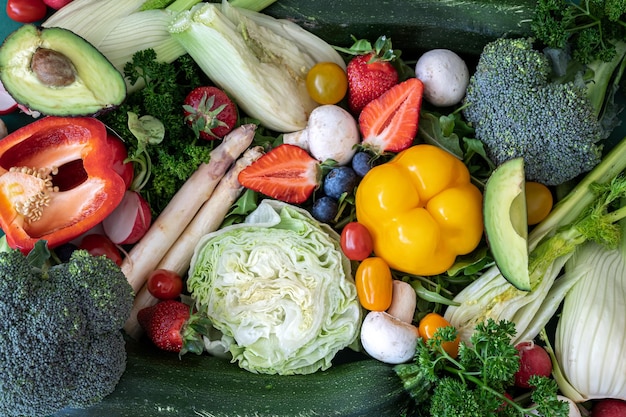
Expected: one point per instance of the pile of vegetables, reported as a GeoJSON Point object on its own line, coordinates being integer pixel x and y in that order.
{"type": "Point", "coordinates": [279, 202]}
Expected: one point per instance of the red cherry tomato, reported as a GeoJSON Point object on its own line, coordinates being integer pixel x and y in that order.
{"type": "Point", "coordinates": [26, 11]}
{"type": "Point", "coordinates": [165, 284]}
{"type": "Point", "coordinates": [356, 241]}
{"type": "Point", "coordinates": [98, 245]}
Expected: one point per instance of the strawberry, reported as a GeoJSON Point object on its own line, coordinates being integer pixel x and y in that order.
{"type": "Point", "coordinates": [209, 112]}
{"type": "Point", "coordinates": [370, 72]}
{"type": "Point", "coordinates": [287, 173]}
{"type": "Point", "coordinates": [389, 123]}
{"type": "Point", "coordinates": [171, 327]}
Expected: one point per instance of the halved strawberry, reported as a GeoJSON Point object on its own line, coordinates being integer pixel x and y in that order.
{"type": "Point", "coordinates": [287, 173]}
{"type": "Point", "coordinates": [389, 123]}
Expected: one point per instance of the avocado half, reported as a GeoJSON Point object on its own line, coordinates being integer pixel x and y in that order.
{"type": "Point", "coordinates": [58, 73]}
{"type": "Point", "coordinates": [506, 221]}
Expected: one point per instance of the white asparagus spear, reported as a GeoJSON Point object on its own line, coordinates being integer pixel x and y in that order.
{"type": "Point", "coordinates": [148, 252]}
{"type": "Point", "coordinates": [208, 219]}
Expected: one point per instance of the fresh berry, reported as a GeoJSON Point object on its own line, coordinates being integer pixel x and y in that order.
{"type": "Point", "coordinates": [340, 180]}
{"type": "Point", "coordinates": [287, 173]}
{"type": "Point", "coordinates": [171, 327]}
{"type": "Point", "coordinates": [362, 162]}
{"type": "Point", "coordinates": [325, 209]}
{"type": "Point", "coordinates": [210, 112]}
{"type": "Point", "coordinates": [370, 72]}
{"type": "Point", "coordinates": [389, 123]}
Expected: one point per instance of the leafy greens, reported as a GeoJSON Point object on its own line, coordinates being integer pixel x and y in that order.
{"type": "Point", "coordinates": [279, 289]}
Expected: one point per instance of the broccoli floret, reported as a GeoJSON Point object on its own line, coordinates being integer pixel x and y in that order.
{"type": "Point", "coordinates": [61, 339]}
{"type": "Point", "coordinates": [592, 33]}
{"type": "Point", "coordinates": [517, 110]}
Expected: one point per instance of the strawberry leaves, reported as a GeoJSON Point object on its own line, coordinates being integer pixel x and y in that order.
{"type": "Point", "coordinates": [209, 112]}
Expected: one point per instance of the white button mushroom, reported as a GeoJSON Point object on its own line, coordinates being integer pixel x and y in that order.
{"type": "Point", "coordinates": [403, 301]}
{"type": "Point", "coordinates": [331, 133]}
{"type": "Point", "coordinates": [445, 76]}
{"type": "Point", "coordinates": [387, 338]}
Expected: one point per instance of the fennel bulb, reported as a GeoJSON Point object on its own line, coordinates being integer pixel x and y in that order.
{"type": "Point", "coordinates": [583, 215]}
{"type": "Point", "coordinates": [590, 342]}
{"type": "Point", "coordinates": [262, 62]}
{"type": "Point", "coordinates": [279, 289]}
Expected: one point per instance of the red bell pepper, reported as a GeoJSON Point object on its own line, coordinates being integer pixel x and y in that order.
{"type": "Point", "coordinates": [56, 180]}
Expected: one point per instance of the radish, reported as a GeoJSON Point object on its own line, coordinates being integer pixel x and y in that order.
{"type": "Point", "coordinates": [124, 168]}
{"type": "Point", "coordinates": [56, 4]}
{"type": "Point", "coordinates": [129, 221]}
{"type": "Point", "coordinates": [7, 102]}
{"type": "Point", "coordinates": [534, 360]}
{"type": "Point", "coordinates": [609, 408]}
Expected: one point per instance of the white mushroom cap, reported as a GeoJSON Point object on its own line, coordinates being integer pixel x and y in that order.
{"type": "Point", "coordinates": [387, 338]}
{"type": "Point", "coordinates": [445, 76]}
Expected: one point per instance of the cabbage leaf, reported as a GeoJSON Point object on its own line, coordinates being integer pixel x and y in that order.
{"type": "Point", "coordinates": [279, 289]}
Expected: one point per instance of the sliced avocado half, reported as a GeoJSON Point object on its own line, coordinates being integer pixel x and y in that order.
{"type": "Point", "coordinates": [58, 73]}
{"type": "Point", "coordinates": [506, 222]}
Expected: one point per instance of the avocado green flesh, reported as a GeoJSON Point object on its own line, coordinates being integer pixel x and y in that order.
{"type": "Point", "coordinates": [506, 224]}
{"type": "Point", "coordinates": [98, 85]}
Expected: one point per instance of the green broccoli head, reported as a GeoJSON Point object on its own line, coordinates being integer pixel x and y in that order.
{"type": "Point", "coordinates": [517, 111]}
{"type": "Point", "coordinates": [103, 292]}
{"type": "Point", "coordinates": [61, 343]}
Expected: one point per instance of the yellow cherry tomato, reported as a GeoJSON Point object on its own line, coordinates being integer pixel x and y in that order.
{"type": "Point", "coordinates": [374, 284]}
{"type": "Point", "coordinates": [539, 202]}
{"type": "Point", "coordinates": [327, 83]}
{"type": "Point", "coordinates": [429, 324]}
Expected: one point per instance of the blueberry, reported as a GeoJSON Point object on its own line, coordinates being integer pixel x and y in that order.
{"type": "Point", "coordinates": [340, 180]}
{"type": "Point", "coordinates": [64, 251]}
{"type": "Point", "coordinates": [362, 163]}
{"type": "Point", "coordinates": [325, 209]}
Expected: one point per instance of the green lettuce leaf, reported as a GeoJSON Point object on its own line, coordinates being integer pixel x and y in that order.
{"type": "Point", "coordinates": [279, 288]}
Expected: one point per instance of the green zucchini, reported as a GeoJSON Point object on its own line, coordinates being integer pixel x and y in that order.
{"type": "Point", "coordinates": [160, 384]}
{"type": "Point", "coordinates": [414, 26]}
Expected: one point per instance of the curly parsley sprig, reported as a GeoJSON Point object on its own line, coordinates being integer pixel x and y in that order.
{"type": "Point", "coordinates": [474, 383]}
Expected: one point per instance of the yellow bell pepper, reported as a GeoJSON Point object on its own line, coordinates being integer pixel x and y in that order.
{"type": "Point", "coordinates": [421, 210]}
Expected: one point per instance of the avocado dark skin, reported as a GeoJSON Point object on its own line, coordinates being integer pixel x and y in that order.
{"type": "Point", "coordinates": [58, 73]}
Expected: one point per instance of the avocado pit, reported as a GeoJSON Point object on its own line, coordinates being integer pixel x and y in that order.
{"type": "Point", "coordinates": [52, 68]}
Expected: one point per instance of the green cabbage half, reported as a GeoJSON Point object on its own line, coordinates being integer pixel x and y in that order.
{"type": "Point", "coordinates": [280, 290]}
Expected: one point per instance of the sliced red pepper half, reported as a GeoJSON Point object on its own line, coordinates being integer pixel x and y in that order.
{"type": "Point", "coordinates": [56, 180]}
